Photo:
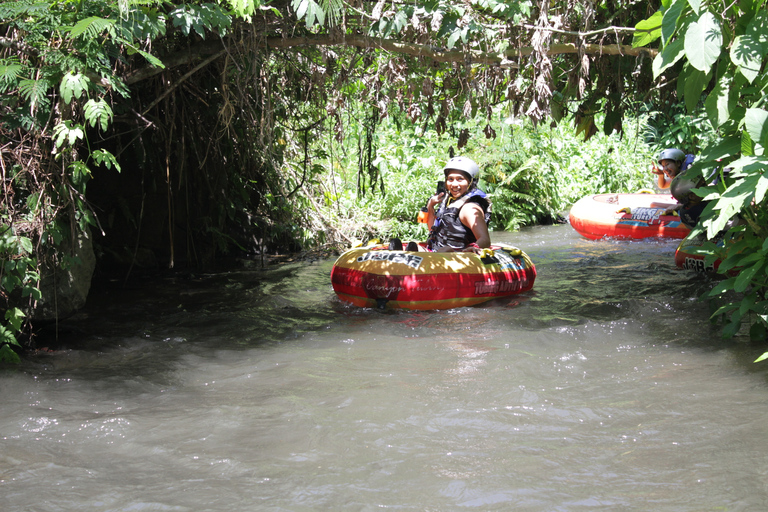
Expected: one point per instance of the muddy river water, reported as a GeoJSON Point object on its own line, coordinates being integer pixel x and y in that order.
{"type": "Point", "coordinates": [604, 388]}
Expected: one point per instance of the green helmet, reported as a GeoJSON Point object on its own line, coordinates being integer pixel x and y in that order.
{"type": "Point", "coordinates": [465, 165]}
{"type": "Point", "coordinates": [671, 154]}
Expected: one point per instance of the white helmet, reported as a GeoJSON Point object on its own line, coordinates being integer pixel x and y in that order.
{"type": "Point", "coordinates": [671, 154]}
{"type": "Point", "coordinates": [465, 165]}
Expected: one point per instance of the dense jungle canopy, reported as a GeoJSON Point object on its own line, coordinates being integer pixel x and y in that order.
{"type": "Point", "coordinates": [176, 132]}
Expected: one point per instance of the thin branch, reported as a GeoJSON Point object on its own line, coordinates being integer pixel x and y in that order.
{"type": "Point", "coordinates": [606, 30]}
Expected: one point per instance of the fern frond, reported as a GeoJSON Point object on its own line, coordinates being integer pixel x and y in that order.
{"type": "Point", "coordinates": [34, 91]}
{"type": "Point", "coordinates": [92, 27]}
{"type": "Point", "coordinates": [10, 10]}
{"type": "Point", "coordinates": [10, 71]}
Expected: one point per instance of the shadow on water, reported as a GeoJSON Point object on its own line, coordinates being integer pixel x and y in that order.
{"type": "Point", "coordinates": [145, 326]}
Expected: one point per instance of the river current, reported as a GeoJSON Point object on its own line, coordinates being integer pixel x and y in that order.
{"type": "Point", "coordinates": [604, 388]}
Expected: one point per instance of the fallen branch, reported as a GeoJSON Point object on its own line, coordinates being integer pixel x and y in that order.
{"type": "Point", "coordinates": [416, 50]}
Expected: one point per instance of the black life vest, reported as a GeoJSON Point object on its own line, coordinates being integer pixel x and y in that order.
{"type": "Point", "coordinates": [682, 190]}
{"type": "Point", "coordinates": [448, 230]}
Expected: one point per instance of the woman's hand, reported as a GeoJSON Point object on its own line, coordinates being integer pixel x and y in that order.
{"type": "Point", "coordinates": [435, 199]}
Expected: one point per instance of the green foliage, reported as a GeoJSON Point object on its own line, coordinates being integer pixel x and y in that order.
{"type": "Point", "coordinates": [98, 113]}
{"type": "Point", "coordinates": [314, 13]}
{"type": "Point", "coordinates": [67, 132]}
{"type": "Point", "coordinates": [675, 127]}
{"type": "Point", "coordinates": [532, 174]}
{"type": "Point", "coordinates": [18, 274]}
{"type": "Point", "coordinates": [67, 53]}
{"type": "Point", "coordinates": [200, 18]}
{"type": "Point", "coordinates": [73, 85]}
{"type": "Point", "coordinates": [722, 52]}
{"type": "Point", "coordinates": [540, 171]}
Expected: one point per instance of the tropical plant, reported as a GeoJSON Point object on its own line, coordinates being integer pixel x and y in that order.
{"type": "Point", "coordinates": [675, 127]}
{"type": "Point", "coordinates": [59, 87]}
{"type": "Point", "coordinates": [720, 53]}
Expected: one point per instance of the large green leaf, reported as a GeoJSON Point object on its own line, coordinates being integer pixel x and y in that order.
{"type": "Point", "coordinates": [761, 188]}
{"type": "Point", "coordinates": [703, 42]}
{"type": "Point", "coordinates": [746, 274]}
{"type": "Point", "coordinates": [669, 20]}
{"type": "Point", "coordinates": [747, 54]}
{"type": "Point", "coordinates": [720, 102]}
{"type": "Point", "coordinates": [647, 31]}
{"type": "Point", "coordinates": [694, 86]}
{"type": "Point", "coordinates": [98, 112]}
{"type": "Point", "coordinates": [758, 29]}
{"type": "Point", "coordinates": [726, 148]}
{"type": "Point", "coordinates": [756, 123]}
{"type": "Point", "coordinates": [92, 27]}
{"type": "Point", "coordinates": [67, 131]}
{"type": "Point", "coordinates": [73, 85]}
{"type": "Point", "coordinates": [747, 144]}
{"type": "Point", "coordinates": [668, 57]}
{"type": "Point", "coordinates": [731, 202]}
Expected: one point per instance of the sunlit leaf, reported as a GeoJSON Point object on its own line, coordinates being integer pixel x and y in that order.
{"type": "Point", "coordinates": [92, 27]}
{"type": "Point", "coordinates": [98, 112]}
{"type": "Point", "coordinates": [647, 31]}
{"type": "Point", "coordinates": [720, 102]}
{"type": "Point", "coordinates": [668, 57]}
{"type": "Point", "coordinates": [747, 54]}
{"type": "Point", "coordinates": [703, 42]}
{"type": "Point", "coordinates": [15, 317]}
{"type": "Point", "coordinates": [67, 131]}
{"type": "Point", "coordinates": [756, 123]}
{"type": "Point", "coordinates": [25, 244]}
{"type": "Point", "coordinates": [761, 188]}
{"type": "Point", "coordinates": [73, 85]}
{"type": "Point", "coordinates": [732, 201]}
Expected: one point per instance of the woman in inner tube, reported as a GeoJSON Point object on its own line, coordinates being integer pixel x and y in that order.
{"type": "Point", "coordinates": [459, 217]}
{"type": "Point", "coordinates": [673, 162]}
